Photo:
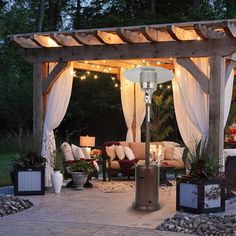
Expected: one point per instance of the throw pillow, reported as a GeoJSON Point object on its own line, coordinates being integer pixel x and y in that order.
{"type": "Point", "coordinates": [178, 153]}
{"type": "Point", "coordinates": [77, 151]}
{"type": "Point", "coordinates": [110, 150]}
{"type": "Point", "coordinates": [86, 153]}
{"type": "Point", "coordinates": [67, 152]}
{"type": "Point", "coordinates": [169, 153]}
{"type": "Point", "coordinates": [129, 153]}
{"type": "Point", "coordinates": [95, 164]}
{"type": "Point", "coordinates": [120, 152]}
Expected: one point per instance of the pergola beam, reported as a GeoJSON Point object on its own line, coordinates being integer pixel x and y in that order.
{"type": "Point", "coordinates": [190, 48]}
{"type": "Point", "coordinates": [216, 108]}
{"type": "Point", "coordinates": [93, 67]}
{"type": "Point", "coordinates": [54, 75]}
{"type": "Point", "coordinates": [40, 73]}
{"type": "Point", "coordinates": [193, 69]}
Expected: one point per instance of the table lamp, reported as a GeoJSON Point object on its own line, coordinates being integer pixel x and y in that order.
{"type": "Point", "coordinates": [87, 142]}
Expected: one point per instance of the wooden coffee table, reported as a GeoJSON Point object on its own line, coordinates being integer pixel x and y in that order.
{"type": "Point", "coordinates": [164, 170]}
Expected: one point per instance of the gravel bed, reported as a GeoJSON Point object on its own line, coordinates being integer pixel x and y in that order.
{"type": "Point", "coordinates": [204, 224]}
{"type": "Point", "coordinates": [11, 204]}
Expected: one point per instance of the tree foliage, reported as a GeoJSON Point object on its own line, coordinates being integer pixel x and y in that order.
{"type": "Point", "coordinates": [20, 16]}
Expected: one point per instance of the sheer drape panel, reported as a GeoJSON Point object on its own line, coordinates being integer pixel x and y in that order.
{"type": "Point", "coordinates": [228, 96]}
{"type": "Point", "coordinates": [192, 104]}
{"type": "Point", "coordinates": [192, 101]}
{"type": "Point", "coordinates": [127, 101]}
{"type": "Point", "coordinates": [140, 111]}
{"type": "Point", "coordinates": [58, 100]}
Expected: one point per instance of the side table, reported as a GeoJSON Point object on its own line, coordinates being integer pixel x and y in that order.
{"type": "Point", "coordinates": [102, 164]}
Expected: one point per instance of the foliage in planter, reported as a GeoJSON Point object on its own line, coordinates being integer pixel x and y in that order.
{"type": "Point", "coordinates": [82, 165]}
{"type": "Point", "coordinates": [200, 163]}
{"type": "Point", "coordinates": [56, 161]}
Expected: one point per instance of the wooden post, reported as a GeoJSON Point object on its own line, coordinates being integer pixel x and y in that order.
{"type": "Point", "coordinates": [216, 108]}
{"type": "Point", "coordinates": [38, 113]}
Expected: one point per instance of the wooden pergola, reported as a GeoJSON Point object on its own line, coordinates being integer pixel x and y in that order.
{"type": "Point", "coordinates": [109, 49]}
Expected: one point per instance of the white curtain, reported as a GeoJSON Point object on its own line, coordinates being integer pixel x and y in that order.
{"type": "Point", "coordinates": [127, 101]}
{"type": "Point", "coordinates": [57, 104]}
{"type": "Point", "coordinates": [140, 111]}
{"type": "Point", "coordinates": [228, 96]}
{"type": "Point", "coordinates": [192, 104]}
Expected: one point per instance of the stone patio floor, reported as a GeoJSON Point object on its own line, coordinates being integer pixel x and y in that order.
{"type": "Point", "coordinates": [90, 212]}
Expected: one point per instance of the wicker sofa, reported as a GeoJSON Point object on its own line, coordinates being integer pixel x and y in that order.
{"type": "Point", "coordinates": [171, 156]}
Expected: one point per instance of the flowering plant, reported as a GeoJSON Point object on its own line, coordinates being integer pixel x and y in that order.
{"type": "Point", "coordinates": [96, 153]}
{"type": "Point", "coordinates": [82, 165]}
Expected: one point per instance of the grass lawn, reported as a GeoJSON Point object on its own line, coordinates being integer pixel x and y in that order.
{"type": "Point", "coordinates": [5, 159]}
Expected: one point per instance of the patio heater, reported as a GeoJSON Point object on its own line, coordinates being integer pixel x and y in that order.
{"type": "Point", "coordinates": [147, 175]}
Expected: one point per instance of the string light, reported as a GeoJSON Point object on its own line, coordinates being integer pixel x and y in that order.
{"type": "Point", "coordinates": [158, 63]}
{"type": "Point", "coordinates": [113, 78]}
{"type": "Point", "coordinates": [86, 62]}
{"type": "Point", "coordinates": [168, 86]}
{"type": "Point", "coordinates": [116, 85]}
{"type": "Point", "coordinates": [74, 73]}
{"type": "Point", "coordinates": [95, 76]}
{"type": "Point", "coordinates": [88, 72]}
{"type": "Point", "coordinates": [198, 38]}
{"type": "Point", "coordinates": [160, 86]}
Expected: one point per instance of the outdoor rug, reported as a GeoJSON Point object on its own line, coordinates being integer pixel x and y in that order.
{"type": "Point", "coordinates": [123, 186]}
{"type": "Point", "coordinates": [113, 186]}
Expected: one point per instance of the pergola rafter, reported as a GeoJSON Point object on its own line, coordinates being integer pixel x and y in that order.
{"type": "Point", "coordinates": [109, 49]}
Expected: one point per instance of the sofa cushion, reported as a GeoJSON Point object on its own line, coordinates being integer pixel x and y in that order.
{"type": "Point", "coordinates": [178, 153]}
{"type": "Point", "coordinates": [114, 165]}
{"type": "Point", "coordinates": [120, 152]}
{"type": "Point", "coordinates": [170, 144]}
{"type": "Point", "coordinates": [169, 151]}
{"type": "Point", "coordinates": [67, 152]}
{"type": "Point", "coordinates": [77, 152]}
{"type": "Point", "coordinates": [174, 163]}
{"type": "Point", "coordinates": [110, 151]}
{"type": "Point", "coordinates": [129, 153]}
{"type": "Point", "coordinates": [124, 144]}
{"type": "Point", "coordinates": [138, 150]}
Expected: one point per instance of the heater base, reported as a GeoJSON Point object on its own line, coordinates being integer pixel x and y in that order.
{"type": "Point", "coordinates": [147, 188]}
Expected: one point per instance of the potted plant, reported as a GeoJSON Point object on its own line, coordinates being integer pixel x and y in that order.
{"type": "Point", "coordinates": [80, 169]}
{"type": "Point", "coordinates": [202, 189]}
{"type": "Point", "coordinates": [27, 173]}
{"type": "Point", "coordinates": [57, 177]}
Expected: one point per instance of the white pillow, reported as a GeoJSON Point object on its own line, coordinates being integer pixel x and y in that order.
{"type": "Point", "coordinates": [120, 152]}
{"type": "Point", "coordinates": [78, 153]}
{"type": "Point", "coordinates": [95, 164]}
{"type": "Point", "coordinates": [86, 154]}
{"type": "Point", "coordinates": [129, 153]}
{"type": "Point", "coordinates": [67, 152]}
{"type": "Point", "coordinates": [111, 152]}
{"type": "Point", "coordinates": [178, 153]}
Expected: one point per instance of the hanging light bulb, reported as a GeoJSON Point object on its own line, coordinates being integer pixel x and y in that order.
{"type": "Point", "coordinates": [160, 86]}
{"type": "Point", "coordinates": [95, 76]}
{"type": "Point", "coordinates": [116, 85]}
{"type": "Point", "coordinates": [88, 72]}
{"type": "Point", "coordinates": [113, 78]}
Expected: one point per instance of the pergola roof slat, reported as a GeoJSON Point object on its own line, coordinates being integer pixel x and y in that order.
{"type": "Point", "coordinates": [207, 32]}
{"type": "Point", "coordinates": [129, 34]}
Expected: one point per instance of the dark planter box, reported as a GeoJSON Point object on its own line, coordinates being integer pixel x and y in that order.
{"type": "Point", "coordinates": [29, 181]}
{"type": "Point", "coordinates": [199, 197]}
